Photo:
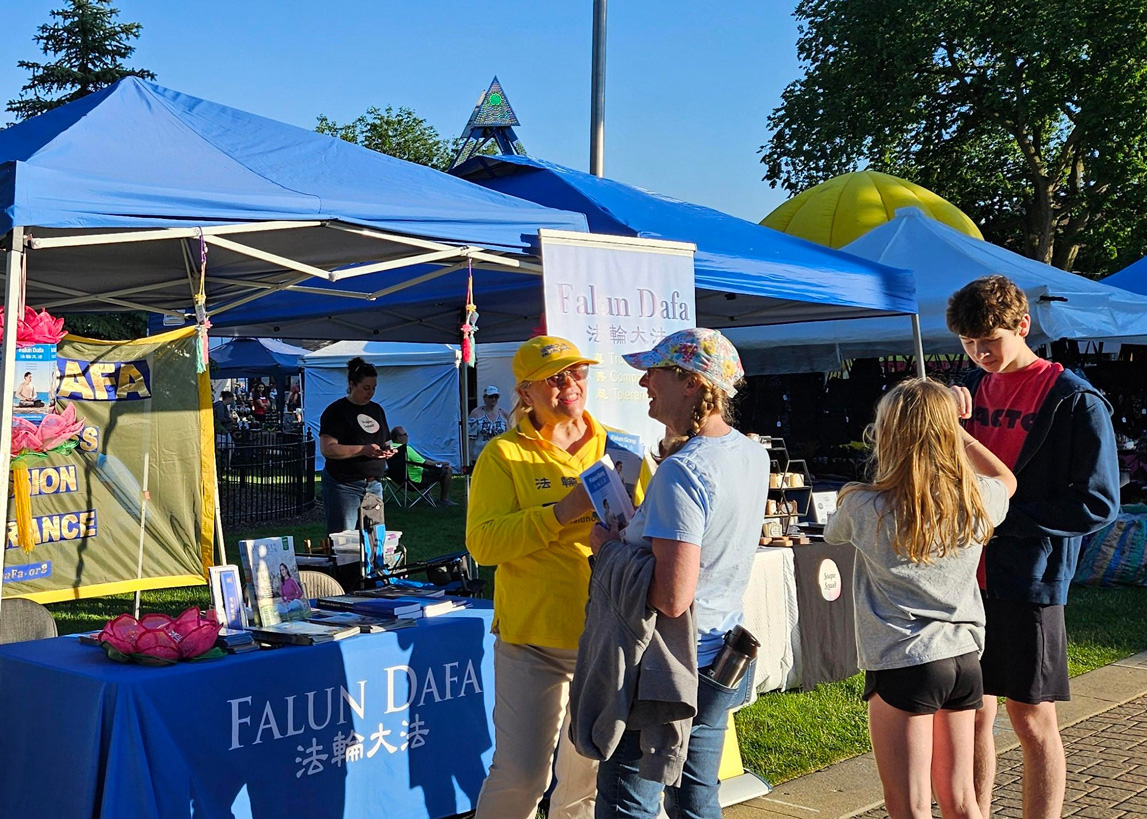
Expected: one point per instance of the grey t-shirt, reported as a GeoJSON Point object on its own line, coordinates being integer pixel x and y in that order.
{"type": "Point", "coordinates": [911, 613]}
{"type": "Point", "coordinates": [712, 493]}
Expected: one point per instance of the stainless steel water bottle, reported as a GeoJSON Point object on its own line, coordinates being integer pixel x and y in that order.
{"type": "Point", "coordinates": [739, 650]}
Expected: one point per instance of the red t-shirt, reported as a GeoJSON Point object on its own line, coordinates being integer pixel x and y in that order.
{"type": "Point", "coordinates": [1005, 408]}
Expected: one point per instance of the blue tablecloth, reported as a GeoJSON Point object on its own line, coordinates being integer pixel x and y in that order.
{"type": "Point", "coordinates": [255, 735]}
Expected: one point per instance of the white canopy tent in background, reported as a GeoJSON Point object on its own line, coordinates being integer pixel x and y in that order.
{"type": "Point", "coordinates": [417, 389]}
{"type": "Point", "coordinates": [1063, 305]}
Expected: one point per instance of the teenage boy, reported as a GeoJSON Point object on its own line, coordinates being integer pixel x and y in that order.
{"type": "Point", "coordinates": [1054, 431]}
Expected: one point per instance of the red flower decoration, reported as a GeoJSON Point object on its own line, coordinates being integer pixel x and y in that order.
{"type": "Point", "coordinates": [157, 639]}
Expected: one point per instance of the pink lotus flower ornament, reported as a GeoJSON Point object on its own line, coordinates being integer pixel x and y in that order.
{"type": "Point", "coordinates": [156, 639]}
{"type": "Point", "coordinates": [25, 437]}
{"type": "Point", "coordinates": [36, 328]}
{"type": "Point", "coordinates": [56, 429]}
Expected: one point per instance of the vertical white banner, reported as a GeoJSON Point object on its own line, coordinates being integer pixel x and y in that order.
{"type": "Point", "coordinates": [612, 295]}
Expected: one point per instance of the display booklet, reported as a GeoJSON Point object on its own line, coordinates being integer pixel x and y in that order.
{"type": "Point", "coordinates": [302, 633]}
{"type": "Point", "coordinates": [626, 453]}
{"type": "Point", "coordinates": [607, 492]}
{"type": "Point", "coordinates": [273, 585]}
{"type": "Point", "coordinates": [227, 596]}
{"type": "Point", "coordinates": [365, 623]}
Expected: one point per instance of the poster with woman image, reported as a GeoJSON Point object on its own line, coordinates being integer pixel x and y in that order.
{"type": "Point", "coordinates": [273, 580]}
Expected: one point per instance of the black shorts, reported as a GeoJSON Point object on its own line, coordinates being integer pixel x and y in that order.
{"type": "Point", "coordinates": [953, 684]}
{"type": "Point", "coordinates": [1025, 652]}
{"type": "Point", "coordinates": [431, 474]}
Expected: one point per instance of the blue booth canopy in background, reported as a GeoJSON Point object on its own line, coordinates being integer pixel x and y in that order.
{"type": "Point", "coordinates": [802, 281]}
{"type": "Point", "coordinates": [746, 274]}
{"type": "Point", "coordinates": [242, 357]}
{"type": "Point", "coordinates": [1132, 278]}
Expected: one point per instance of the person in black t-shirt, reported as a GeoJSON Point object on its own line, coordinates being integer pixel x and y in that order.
{"type": "Point", "coordinates": [353, 440]}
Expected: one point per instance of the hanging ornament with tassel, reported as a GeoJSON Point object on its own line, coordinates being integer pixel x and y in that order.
{"type": "Point", "coordinates": [470, 325]}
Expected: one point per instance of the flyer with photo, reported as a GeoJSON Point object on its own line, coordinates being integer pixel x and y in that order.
{"type": "Point", "coordinates": [626, 452]}
{"type": "Point", "coordinates": [607, 493]}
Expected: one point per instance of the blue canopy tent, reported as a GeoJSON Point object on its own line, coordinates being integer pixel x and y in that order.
{"type": "Point", "coordinates": [745, 274]}
{"type": "Point", "coordinates": [1132, 278]}
{"type": "Point", "coordinates": [241, 357]}
{"type": "Point", "coordinates": [138, 197]}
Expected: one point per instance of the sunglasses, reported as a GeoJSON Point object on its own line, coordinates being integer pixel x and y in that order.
{"type": "Point", "coordinates": [578, 373]}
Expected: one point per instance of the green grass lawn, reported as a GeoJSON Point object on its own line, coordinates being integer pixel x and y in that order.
{"type": "Point", "coordinates": [783, 735]}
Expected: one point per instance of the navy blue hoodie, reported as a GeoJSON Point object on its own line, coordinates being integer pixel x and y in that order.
{"type": "Point", "coordinates": [1068, 486]}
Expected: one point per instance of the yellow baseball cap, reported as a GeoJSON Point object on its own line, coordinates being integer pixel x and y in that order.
{"type": "Point", "coordinates": [543, 356]}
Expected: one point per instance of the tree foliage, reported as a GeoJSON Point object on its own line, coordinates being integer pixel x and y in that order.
{"type": "Point", "coordinates": [400, 133]}
{"type": "Point", "coordinates": [1030, 115]}
{"type": "Point", "coordinates": [123, 326]}
{"type": "Point", "coordinates": [89, 47]}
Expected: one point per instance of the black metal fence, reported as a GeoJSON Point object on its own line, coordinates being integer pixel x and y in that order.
{"type": "Point", "coordinates": [265, 476]}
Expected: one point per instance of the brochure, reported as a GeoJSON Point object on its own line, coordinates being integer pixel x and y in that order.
{"type": "Point", "coordinates": [273, 585]}
{"type": "Point", "coordinates": [227, 596]}
{"type": "Point", "coordinates": [607, 493]}
{"type": "Point", "coordinates": [627, 454]}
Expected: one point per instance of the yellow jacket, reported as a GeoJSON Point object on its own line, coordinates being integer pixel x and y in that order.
{"type": "Point", "coordinates": [542, 581]}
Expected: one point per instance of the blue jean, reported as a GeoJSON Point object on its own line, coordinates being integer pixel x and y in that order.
{"type": "Point", "coordinates": [623, 794]}
{"type": "Point", "coordinates": [341, 500]}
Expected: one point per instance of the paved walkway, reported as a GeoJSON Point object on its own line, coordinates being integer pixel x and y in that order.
{"type": "Point", "coordinates": [1105, 735]}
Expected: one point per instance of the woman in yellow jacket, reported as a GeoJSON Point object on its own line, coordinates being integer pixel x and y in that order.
{"type": "Point", "coordinates": [530, 517]}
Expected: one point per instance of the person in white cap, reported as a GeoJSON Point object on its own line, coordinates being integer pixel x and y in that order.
{"type": "Point", "coordinates": [486, 422]}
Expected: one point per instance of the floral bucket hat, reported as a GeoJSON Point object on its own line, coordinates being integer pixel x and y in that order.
{"type": "Point", "coordinates": [705, 352]}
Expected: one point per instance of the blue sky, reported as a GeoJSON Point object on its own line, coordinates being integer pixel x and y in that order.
{"type": "Point", "coordinates": [689, 86]}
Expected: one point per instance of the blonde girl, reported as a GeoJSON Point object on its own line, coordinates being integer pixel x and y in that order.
{"type": "Point", "coordinates": [919, 529]}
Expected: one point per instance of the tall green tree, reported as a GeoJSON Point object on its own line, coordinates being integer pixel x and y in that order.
{"type": "Point", "coordinates": [400, 133]}
{"type": "Point", "coordinates": [88, 46]}
{"type": "Point", "coordinates": [1030, 115]}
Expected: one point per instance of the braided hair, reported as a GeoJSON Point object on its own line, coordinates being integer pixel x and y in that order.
{"type": "Point", "coordinates": [710, 399]}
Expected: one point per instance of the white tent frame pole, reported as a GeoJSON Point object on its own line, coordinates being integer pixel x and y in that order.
{"type": "Point", "coordinates": [258, 294]}
{"type": "Point", "coordinates": [417, 280]}
{"type": "Point", "coordinates": [14, 272]}
{"type": "Point", "coordinates": [393, 264]}
{"type": "Point", "coordinates": [270, 258]}
{"type": "Point", "coordinates": [274, 287]}
{"type": "Point", "coordinates": [918, 341]}
{"type": "Point", "coordinates": [130, 305]}
{"type": "Point", "coordinates": [127, 291]}
{"type": "Point", "coordinates": [427, 244]}
{"type": "Point", "coordinates": [85, 240]}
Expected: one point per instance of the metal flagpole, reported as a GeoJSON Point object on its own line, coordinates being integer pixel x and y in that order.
{"type": "Point", "coordinates": [597, 93]}
{"type": "Point", "coordinates": [13, 308]}
{"type": "Point", "coordinates": [918, 338]}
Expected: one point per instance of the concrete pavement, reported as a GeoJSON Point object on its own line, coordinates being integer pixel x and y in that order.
{"type": "Point", "coordinates": [1105, 735]}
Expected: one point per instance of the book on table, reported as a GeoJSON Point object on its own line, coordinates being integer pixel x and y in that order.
{"type": "Point", "coordinates": [302, 633]}
{"type": "Point", "coordinates": [396, 591]}
{"type": "Point", "coordinates": [273, 585]}
{"type": "Point", "coordinates": [227, 596]}
{"type": "Point", "coordinates": [377, 606]}
{"type": "Point", "coordinates": [607, 493]}
{"type": "Point", "coordinates": [364, 622]}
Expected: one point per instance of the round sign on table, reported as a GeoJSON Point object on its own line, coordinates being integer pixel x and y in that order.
{"type": "Point", "coordinates": [828, 577]}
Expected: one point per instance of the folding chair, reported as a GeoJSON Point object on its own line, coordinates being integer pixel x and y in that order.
{"type": "Point", "coordinates": [400, 489]}
{"type": "Point", "coordinates": [22, 619]}
{"type": "Point", "coordinates": [319, 584]}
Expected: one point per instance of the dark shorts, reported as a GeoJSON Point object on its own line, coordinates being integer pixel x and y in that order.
{"type": "Point", "coordinates": [953, 684]}
{"type": "Point", "coordinates": [431, 474]}
{"type": "Point", "coordinates": [1025, 652]}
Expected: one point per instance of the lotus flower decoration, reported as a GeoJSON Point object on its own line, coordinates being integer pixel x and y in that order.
{"type": "Point", "coordinates": [156, 639]}
{"type": "Point", "coordinates": [55, 433]}
{"type": "Point", "coordinates": [36, 328]}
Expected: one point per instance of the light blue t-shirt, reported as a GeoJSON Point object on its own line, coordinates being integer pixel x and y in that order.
{"type": "Point", "coordinates": [711, 492]}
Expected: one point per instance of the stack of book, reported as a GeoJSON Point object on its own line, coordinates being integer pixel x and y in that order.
{"type": "Point", "coordinates": [302, 633]}
{"type": "Point", "coordinates": [236, 641]}
{"type": "Point", "coordinates": [365, 623]}
{"type": "Point", "coordinates": [399, 606]}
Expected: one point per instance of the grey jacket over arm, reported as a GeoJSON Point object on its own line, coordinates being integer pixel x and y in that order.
{"type": "Point", "coordinates": [636, 668]}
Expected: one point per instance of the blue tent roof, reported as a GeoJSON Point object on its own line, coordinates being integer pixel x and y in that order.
{"type": "Point", "coordinates": [804, 281]}
{"type": "Point", "coordinates": [1133, 277]}
{"type": "Point", "coordinates": [136, 155]}
{"type": "Point", "coordinates": [139, 155]}
{"type": "Point", "coordinates": [240, 357]}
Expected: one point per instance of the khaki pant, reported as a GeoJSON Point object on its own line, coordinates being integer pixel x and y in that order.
{"type": "Point", "coordinates": [531, 719]}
